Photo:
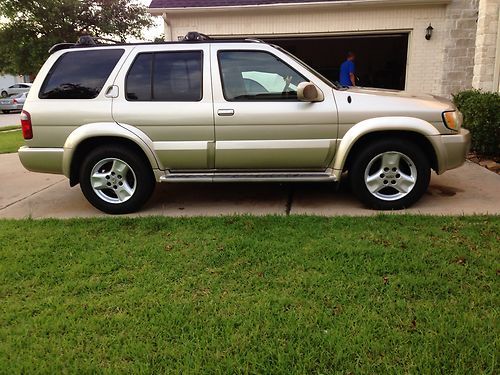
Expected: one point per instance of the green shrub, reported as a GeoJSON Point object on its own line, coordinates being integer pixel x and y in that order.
{"type": "Point", "coordinates": [481, 112]}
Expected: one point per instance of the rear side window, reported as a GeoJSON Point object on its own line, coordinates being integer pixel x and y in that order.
{"type": "Point", "coordinates": [139, 78]}
{"type": "Point", "coordinates": [80, 74]}
{"type": "Point", "coordinates": [166, 77]}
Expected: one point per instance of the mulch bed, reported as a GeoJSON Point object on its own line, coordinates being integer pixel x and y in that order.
{"type": "Point", "coordinates": [489, 162]}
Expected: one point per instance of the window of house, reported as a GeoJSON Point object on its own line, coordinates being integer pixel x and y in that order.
{"type": "Point", "coordinates": [257, 75]}
{"type": "Point", "coordinates": [80, 74]}
{"type": "Point", "coordinates": [166, 76]}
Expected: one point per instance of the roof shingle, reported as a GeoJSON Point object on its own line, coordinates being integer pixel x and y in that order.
{"type": "Point", "coordinates": [222, 3]}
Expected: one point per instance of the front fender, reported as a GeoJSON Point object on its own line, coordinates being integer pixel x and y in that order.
{"type": "Point", "coordinates": [381, 124]}
{"type": "Point", "coordinates": [107, 129]}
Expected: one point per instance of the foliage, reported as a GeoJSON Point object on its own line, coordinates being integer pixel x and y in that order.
{"type": "Point", "coordinates": [481, 112]}
{"type": "Point", "coordinates": [10, 141]}
{"type": "Point", "coordinates": [32, 27]}
{"type": "Point", "coordinates": [256, 295]}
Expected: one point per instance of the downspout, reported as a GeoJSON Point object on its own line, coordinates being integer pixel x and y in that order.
{"type": "Point", "coordinates": [167, 27]}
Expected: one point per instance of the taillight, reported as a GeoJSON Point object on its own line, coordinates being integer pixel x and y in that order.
{"type": "Point", "coordinates": [26, 125]}
{"type": "Point", "coordinates": [14, 101]}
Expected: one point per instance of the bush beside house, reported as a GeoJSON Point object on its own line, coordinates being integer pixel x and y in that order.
{"type": "Point", "coordinates": [481, 112]}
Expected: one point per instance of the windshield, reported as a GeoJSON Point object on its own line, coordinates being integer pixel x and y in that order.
{"type": "Point", "coordinates": [311, 70]}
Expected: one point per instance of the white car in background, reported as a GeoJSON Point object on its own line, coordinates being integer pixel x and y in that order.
{"type": "Point", "coordinates": [18, 88]}
{"type": "Point", "coordinates": [13, 103]}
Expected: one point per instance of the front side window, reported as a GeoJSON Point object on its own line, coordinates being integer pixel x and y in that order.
{"type": "Point", "coordinates": [166, 76]}
{"type": "Point", "coordinates": [80, 74]}
{"type": "Point", "coordinates": [256, 75]}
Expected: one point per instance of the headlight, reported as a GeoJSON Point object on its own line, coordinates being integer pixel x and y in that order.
{"type": "Point", "coordinates": [452, 120]}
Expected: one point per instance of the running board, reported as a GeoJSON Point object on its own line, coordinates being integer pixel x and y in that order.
{"type": "Point", "coordinates": [248, 177]}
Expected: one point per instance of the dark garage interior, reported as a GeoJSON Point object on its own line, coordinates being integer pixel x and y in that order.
{"type": "Point", "coordinates": [380, 59]}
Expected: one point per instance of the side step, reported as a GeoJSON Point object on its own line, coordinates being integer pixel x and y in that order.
{"type": "Point", "coordinates": [248, 177]}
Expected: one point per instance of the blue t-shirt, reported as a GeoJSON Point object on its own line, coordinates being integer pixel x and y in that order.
{"type": "Point", "coordinates": [346, 68]}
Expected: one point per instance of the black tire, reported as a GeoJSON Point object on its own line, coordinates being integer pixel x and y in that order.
{"type": "Point", "coordinates": [5, 94]}
{"type": "Point", "coordinates": [370, 152]}
{"type": "Point", "coordinates": [144, 179]}
{"type": "Point", "coordinates": [5, 111]}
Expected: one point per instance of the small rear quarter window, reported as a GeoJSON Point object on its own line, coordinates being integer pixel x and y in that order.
{"type": "Point", "coordinates": [80, 74]}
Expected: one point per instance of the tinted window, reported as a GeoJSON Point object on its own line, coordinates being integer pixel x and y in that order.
{"type": "Point", "coordinates": [139, 78]}
{"type": "Point", "coordinates": [254, 75]}
{"type": "Point", "coordinates": [177, 76]}
{"type": "Point", "coordinates": [80, 74]}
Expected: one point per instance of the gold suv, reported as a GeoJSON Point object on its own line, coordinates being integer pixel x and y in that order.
{"type": "Point", "coordinates": [118, 118]}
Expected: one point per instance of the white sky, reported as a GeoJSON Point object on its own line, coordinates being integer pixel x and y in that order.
{"type": "Point", "coordinates": [156, 30]}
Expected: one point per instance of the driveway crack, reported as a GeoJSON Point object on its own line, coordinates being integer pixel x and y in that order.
{"type": "Point", "coordinates": [29, 196]}
{"type": "Point", "coordinates": [289, 201]}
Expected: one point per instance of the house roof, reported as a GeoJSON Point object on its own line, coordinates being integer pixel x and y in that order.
{"type": "Point", "coordinates": [225, 3]}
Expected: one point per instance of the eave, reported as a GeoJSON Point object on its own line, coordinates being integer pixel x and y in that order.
{"type": "Point", "coordinates": [284, 6]}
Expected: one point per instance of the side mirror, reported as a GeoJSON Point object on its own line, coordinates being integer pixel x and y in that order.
{"type": "Point", "coordinates": [308, 92]}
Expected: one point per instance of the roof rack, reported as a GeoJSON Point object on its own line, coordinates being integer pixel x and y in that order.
{"type": "Point", "coordinates": [194, 36]}
{"type": "Point", "coordinates": [83, 41]}
{"type": "Point", "coordinates": [254, 40]}
{"type": "Point", "coordinates": [86, 41]}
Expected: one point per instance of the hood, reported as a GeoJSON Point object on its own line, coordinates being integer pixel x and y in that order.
{"type": "Point", "coordinates": [402, 94]}
{"type": "Point", "coordinates": [356, 104]}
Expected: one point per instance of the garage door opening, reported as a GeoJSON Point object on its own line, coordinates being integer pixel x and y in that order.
{"type": "Point", "coordinates": [380, 62]}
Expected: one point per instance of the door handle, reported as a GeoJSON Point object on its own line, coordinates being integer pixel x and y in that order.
{"type": "Point", "coordinates": [112, 92]}
{"type": "Point", "coordinates": [225, 112]}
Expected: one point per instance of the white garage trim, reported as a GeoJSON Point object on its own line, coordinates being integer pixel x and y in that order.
{"type": "Point", "coordinates": [161, 11]}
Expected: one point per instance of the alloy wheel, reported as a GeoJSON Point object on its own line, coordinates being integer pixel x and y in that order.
{"type": "Point", "coordinates": [390, 176]}
{"type": "Point", "coordinates": [113, 180]}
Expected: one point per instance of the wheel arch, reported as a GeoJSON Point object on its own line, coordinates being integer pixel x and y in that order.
{"type": "Point", "coordinates": [410, 129]}
{"type": "Point", "coordinates": [87, 137]}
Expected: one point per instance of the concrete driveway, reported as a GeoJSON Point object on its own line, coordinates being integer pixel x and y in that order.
{"type": "Point", "coordinates": [9, 119]}
{"type": "Point", "coordinates": [470, 189]}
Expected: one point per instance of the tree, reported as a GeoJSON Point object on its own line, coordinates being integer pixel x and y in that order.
{"type": "Point", "coordinates": [31, 27]}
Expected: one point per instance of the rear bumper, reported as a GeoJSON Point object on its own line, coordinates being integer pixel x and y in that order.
{"type": "Point", "coordinates": [453, 150]}
{"type": "Point", "coordinates": [44, 160]}
{"type": "Point", "coordinates": [11, 107]}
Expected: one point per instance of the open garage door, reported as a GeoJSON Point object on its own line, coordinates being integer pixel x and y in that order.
{"type": "Point", "coordinates": [380, 62]}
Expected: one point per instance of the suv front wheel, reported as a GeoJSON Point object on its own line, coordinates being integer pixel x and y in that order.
{"type": "Point", "coordinates": [115, 180]}
{"type": "Point", "coordinates": [390, 174]}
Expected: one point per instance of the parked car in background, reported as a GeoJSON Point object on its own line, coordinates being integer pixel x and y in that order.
{"type": "Point", "coordinates": [18, 88]}
{"type": "Point", "coordinates": [13, 103]}
{"type": "Point", "coordinates": [117, 119]}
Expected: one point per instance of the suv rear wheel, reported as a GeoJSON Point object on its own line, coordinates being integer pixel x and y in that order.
{"type": "Point", "coordinates": [390, 174]}
{"type": "Point", "coordinates": [115, 180]}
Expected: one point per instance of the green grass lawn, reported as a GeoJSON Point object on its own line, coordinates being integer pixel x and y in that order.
{"type": "Point", "coordinates": [10, 141]}
{"type": "Point", "coordinates": [281, 295]}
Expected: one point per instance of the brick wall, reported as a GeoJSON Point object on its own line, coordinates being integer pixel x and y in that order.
{"type": "Point", "coordinates": [460, 45]}
{"type": "Point", "coordinates": [487, 59]}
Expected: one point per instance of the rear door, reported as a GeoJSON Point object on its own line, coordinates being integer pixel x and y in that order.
{"type": "Point", "coordinates": [165, 91]}
{"type": "Point", "coordinates": [259, 122]}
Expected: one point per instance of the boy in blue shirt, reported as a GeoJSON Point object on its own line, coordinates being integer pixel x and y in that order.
{"type": "Point", "coordinates": [347, 69]}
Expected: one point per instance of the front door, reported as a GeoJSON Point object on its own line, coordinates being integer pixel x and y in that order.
{"type": "Point", "coordinates": [259, 122]}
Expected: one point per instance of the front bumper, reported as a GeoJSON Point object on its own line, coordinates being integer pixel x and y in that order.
{"type": "Point", "coordinates": [452, 150]}
{"type": "Point", "coordinates": [44, 160]}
